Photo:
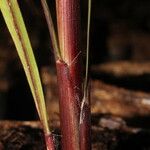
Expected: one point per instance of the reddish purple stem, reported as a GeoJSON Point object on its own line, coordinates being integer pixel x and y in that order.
{"type": "Point", "coordinates": [50, 144]}
{"type": "Point", "coordinates": [70, 77]}
{"type": "Point", "coordinates": [85, 128]}
{"type": "Point", "coordinates": [69, 108]}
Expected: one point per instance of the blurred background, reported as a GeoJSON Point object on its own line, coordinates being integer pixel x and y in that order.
{"type": "Point", "coordinates": [120, 31]}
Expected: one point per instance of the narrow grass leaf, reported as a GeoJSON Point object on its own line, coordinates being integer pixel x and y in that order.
{"type": "Point", "coordinates": [51, 28]}
{"type": "Point", "coordinates": [87, 46]}
{"type": "Point", "coordinates": [85, 85]}
{"type": "Point", "coordinates": [13, 18]}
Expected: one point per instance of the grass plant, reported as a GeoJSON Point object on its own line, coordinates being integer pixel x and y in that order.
{"type": "Point", "coordinates": [73, 87]}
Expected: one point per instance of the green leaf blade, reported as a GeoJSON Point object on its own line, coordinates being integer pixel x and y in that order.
{"type": "Point", "coordinates": [13, 18]}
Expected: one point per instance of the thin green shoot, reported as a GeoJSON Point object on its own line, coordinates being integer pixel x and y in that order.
{"type": "Point", "coordinates": [51, 28]}
{"type": "Point", "coordinates": [87, 47]}
{"type": "Point", "coordinates": [85, 85]}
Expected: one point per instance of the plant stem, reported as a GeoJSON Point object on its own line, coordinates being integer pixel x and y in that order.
{"type": "Point", "coordinates": [74, 100]}
{"type": "Point", "coordinates": [69, 107]}
{"type": "Point", "coordinates": [50, 143]}
{"type": "Point", "coordinates": [69, 71]}
{"type": "Point", "coordinates": [75, 132]}
{"type": "Point", "coordinates": [68, 20]}
{"type": "Point", "coordinates": [85, 122]}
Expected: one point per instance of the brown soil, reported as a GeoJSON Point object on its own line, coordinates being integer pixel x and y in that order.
{"type": "Point", "coordinates": [21, 136]}
{"type": "Point", "coordinates": [108, 133]}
